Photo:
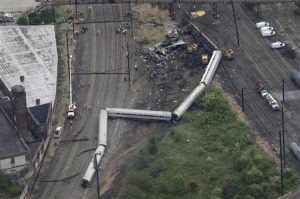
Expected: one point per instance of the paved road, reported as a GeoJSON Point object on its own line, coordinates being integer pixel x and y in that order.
{"type": "Point", "coordinates": [99, 49]}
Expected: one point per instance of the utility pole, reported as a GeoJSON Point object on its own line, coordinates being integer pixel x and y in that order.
{"type": "Point", "coordinates": [131, 26]}
{"type": "Point", "coordinates": [283, 90]}
{"type": "Point", "coordinates": [236, 28]}
{"type": "Point", "coordinates": [76, 9]}
{"type": "Point", "coordinates": [96, 170]}
{"type": "Point", "coordinates": [73, 29]}
{"type": "Point", "coordinates": [53, 11]}
{"type": "Point", "coordinates": [68, 56]}
{"type": "Point", "coordinates": [171, 10]}
{"type": "Point", "coordinates": [281, 170]}
{"type": "Point", "coordinates": [283, 139]}
{"type": "Point", "coordinates": [127, 54]}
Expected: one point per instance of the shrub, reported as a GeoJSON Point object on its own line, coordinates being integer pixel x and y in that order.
{"type": "Point", "coordinates": [194, 186]}
{"type": "Point", "coordinates": [45, 16]}
{"type": "Point", "coordinates": [179, 185]}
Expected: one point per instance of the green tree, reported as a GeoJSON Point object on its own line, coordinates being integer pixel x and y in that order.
{"type": "Point", "coordinates": [22, 21]}
{"type": "Point", "coordinates": [194, 186]}
{"type": "Point", "coordinates": [46, 16]}
{"type": "Point", "coordinates": [216, 193]}
{"type": "Point", "coordinates": [179, 185]}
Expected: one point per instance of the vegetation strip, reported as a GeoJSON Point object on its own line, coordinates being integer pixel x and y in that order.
{"type": "Point", "coordinates": [211, 155]}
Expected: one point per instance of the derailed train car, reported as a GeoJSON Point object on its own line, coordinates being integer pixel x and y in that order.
{"type": "Point", "coordinates": [296, 78]}
{"type": "Point", "coordinates": [206, 79]}
{"type": "Point", "coordinates": [102, 133]}
{"type": "Point", "coordinates": [90, 171]}
{"type": "Point", "coordinates": [99, 153]}
{"type": "Point", "coordinates": [295, 149]}
{"type": "Point", "coordinates": [138, 114]}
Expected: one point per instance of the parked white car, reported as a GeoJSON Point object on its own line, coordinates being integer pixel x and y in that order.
{"type": "Point", "coordinates": [57, 132]}
{"type": "Point", "coordinates": [268, 33]}
{"type": "Point", "coordinates": [266, 28]}
{"type": "Point", "coordinates": [278, 44]}
{"type": "Point", "coordinates": [262, 24]}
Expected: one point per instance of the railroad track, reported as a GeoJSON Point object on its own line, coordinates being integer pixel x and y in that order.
{"type": "Point", "coordinates": [95, 98]}
{"type": "Point", "coordinates": [275, 71]}
{"type": "Point", "coordinates": [263, 125]}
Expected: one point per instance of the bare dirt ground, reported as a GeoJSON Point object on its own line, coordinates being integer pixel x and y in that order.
{"type": "Point", "coordinates": [152, 23]}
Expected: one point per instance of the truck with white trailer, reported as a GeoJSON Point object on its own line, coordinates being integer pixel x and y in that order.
{"type": "Point", "coordinates": [265, 94]}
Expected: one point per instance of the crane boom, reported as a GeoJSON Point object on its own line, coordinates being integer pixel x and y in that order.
{"type": "Point", "coordinates": [72, 107]}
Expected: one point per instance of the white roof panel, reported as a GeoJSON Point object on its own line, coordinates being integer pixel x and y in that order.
{"type": "Point", "coordinates": [29, 51]}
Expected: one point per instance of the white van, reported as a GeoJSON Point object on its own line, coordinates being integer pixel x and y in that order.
{"type": "Point", "coordinates": [278, 44]}
{"type": "Point", "coordinates": [266, 28]}
{"type": "Point", "coordinates": [268, 33]}
{"type": "Point", "coordinates": [262, 24]}
{"type": "Point", "coordinates": [57, 132]}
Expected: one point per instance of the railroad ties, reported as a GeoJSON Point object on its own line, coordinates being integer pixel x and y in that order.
{"type": "Point", "coordinates": [149, 114]}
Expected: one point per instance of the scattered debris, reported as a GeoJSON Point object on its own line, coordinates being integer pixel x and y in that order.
{"type": "Point", "coordinates": [289, 52]}
{"type": "Point", "coordinates": [166, 63]}
{"type": "Point", "coordinates": [192, 47]}
{"type": "Point", "coordinates": [123, 28]}
{"type": "Point", "coordinates": [84, 29]}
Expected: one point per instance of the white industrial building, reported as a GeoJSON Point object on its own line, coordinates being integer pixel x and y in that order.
{"type": "Point", "coordinates": [28, 76]}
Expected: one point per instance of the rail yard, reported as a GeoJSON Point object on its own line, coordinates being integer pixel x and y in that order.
{"type": "Point", "coordinates": [114, 77]}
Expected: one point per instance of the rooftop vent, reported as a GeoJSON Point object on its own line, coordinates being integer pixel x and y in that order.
{"type": "Point", "coordinates": [22, 78]}
{"type": "Point", "coordinates": [37, 101]}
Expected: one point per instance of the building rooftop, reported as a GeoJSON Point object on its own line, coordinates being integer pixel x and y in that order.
{"type": "Point", "coordinates": [40, 113]}
{"type": "Point", "coordinates": [10, 143]}
{"type": "Point", "coordinates": [29, 51]}
{"type": "Point", "coordinates": [17, 5]}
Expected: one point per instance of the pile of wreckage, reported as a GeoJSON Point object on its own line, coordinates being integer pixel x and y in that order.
{"type": "Point", "coordinates": [180, 49]}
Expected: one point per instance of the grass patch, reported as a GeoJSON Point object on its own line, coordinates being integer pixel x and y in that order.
{"type": "Point", "coordinates": [8, 188]}
{"type": "Point", "coordinates": [213, 155]}
{"type": "Point", "coordinates": [44, 16]}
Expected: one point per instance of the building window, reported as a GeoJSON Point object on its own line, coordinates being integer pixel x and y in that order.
{"type": "Point", "coordinates": [27, 156]}
{"type": "Point", "coordinates": [12, 160]}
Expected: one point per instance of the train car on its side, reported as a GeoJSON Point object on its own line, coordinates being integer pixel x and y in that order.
{"type": "Point", "coordinates": [90, 171]}
{"type": "Point", "coordinates": [296, 78]}
{"type": "Point", "coordinates": [138, 114]}
{"type": "Point", "coordinates": [295, 149]}
{"type": "Point", "coordinates": [206, 79]}
{"type": "Point", "coordinates": [102, 131]}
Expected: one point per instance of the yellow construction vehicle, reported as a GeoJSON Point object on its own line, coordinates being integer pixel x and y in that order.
{"type": "Point", "coordinates": [204, 59]}
{"type": "Point", "coordinates": [191, 48]}
{"type": "Point", "coordinates": [228, 53]}
{"type": "Point", "coordinates": [197, 14]}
